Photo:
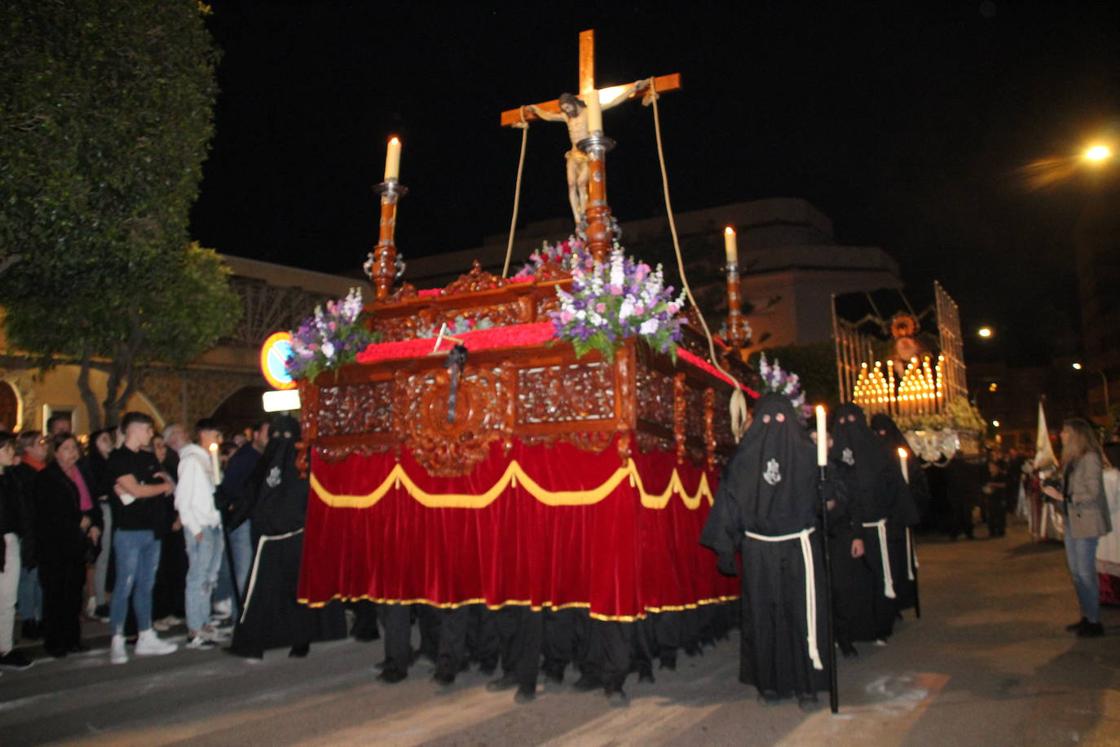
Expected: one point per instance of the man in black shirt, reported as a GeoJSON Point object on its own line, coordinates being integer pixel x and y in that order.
{"type": "Point", "coordinates": [138, 515]}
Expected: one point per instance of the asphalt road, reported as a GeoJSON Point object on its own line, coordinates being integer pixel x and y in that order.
{"type": "Point", "coordinates": [988, 664]}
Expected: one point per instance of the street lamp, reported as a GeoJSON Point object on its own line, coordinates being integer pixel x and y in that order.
{"type": "Point", "coordinates": [1097, 153]}
{"type": "Point", "coordinates": [1104, 384]}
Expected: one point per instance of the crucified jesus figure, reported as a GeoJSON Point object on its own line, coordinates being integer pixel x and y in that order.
{"type": "Point", "coordinates": [573, 112]}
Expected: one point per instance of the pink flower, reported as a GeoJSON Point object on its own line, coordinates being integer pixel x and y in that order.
{"type": "Point", "coordinates": [616, 290]}
{"type": "Point", "coordinates": [565, 317]}
{"type": "Point", "coordinates": [601, 308]}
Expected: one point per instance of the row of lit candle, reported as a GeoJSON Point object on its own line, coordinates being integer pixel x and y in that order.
{"type": "Point", "coordinates": [919, 392]}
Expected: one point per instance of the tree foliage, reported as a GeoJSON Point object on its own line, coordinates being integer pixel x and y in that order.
{"type": "Point", "coordinates": [106, 113]}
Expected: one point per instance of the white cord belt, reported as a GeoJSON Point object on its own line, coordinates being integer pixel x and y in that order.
{"type": "Point", "coordinates": [911, 556]}
{"type": "Point", "coordinates": [888, 579]}
{"type": "Point", "coordinates": [810, 585]}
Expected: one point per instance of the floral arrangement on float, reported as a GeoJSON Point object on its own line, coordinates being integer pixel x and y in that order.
{"type": "Point", "coordinates": [786, 383]}
{"type": "Point", "coordinates": [613, 300]}
{"type": "Point", "coordinates": [559, 255]}
{"type": "Point", "coordinates": [331, 337]}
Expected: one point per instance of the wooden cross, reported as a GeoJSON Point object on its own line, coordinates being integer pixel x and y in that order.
{"type": "Point", "coordinates": [661, 83]}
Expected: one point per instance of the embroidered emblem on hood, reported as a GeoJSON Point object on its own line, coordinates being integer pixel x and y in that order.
{"type": "Point", "coordinates": [773, 474]}
{"type": "Point", "coordinates": [273, 478]}
{"type": "Point", "coordinates": [847, 458]}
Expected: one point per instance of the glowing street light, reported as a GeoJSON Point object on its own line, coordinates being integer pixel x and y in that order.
{"type": "Point", "coordinates": [985, 332]}
{"type": "Point", "coordinates": [1098, 153]}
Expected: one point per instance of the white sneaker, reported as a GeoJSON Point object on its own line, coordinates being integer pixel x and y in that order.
{"type": "Point", "coordinates": [211, 633]}
{"type": "Point", "coordinates": [198, 643]}
{"type": "Point", "coordinates": [117, 652]}
{"type": "Point", "coordinates": [149, 644]}
{"type": "Point", "coordinates": [91, 608]}
{"type": "Point", "coordinates": [223, 609]}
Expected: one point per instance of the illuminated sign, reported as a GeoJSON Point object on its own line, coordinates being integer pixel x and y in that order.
{"type": "Point", "coordinates": [274, 354]}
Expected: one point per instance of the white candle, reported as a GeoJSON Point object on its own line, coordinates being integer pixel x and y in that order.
{"type": "Point", "coordinates": [730, 246]}
{"type": "Point", "coordinates": [214, 463]}
{"type": "Point", "coordinates": [393, 159]}
{"type": "Point", "coordinates": [822, 438]}
{"type": "Point", "coordinates": [594, 112]}
{"type": "Point", "coordinates": [902, 458]}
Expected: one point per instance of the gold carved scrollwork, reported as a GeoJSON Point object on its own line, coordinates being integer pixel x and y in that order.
{"type": "Point", "coordinates": [350, 409]}
{"type": "Point", "coordinates": [452, 448]}
{"type": "Point", "coordinates": [564, 393]}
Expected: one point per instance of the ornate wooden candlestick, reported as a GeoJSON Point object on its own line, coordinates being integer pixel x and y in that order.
{"type": "Point", "coordinates": [600, 232]}
{"type": "Point", "coordinates": [384, 269]}
{"type": "Point", "coordinates": [736, 333]}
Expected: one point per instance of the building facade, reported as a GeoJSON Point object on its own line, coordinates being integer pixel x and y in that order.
{"type": "Point", "coordinates": [225, 382]}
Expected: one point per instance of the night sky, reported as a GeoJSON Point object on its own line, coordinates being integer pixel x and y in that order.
{"type": "Point", "coordinates": [907, 126]}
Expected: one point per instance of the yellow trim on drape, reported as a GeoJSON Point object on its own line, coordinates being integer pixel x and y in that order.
{"type": "Point", "coordinates": [515, 476]}
{"type": "Point", "coordinates": [521, 603]}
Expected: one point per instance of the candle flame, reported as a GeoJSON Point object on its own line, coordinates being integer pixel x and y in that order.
{"type": "Point", "coordinates": [820, 409]}
{"type": "Point", "coordinates": [729, 231]}
{"type": "Point", "coordinates": [901, 453]}
{"type": "Point", "coordinates": [213, 447]}
{"type": "Point", "coordinates": [394, 140]}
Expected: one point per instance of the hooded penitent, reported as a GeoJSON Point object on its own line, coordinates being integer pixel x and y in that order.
{"type": "Point", "coordinates": [767, 506]}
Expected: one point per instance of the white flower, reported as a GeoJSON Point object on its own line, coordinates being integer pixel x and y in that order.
{"type": "Point", "coordinates": [648, 327]}
{"type": "Point", "coordinates": [626, 310]}
{"type": "Point", "coordinates": [595, 319]}
{"type": "Point", "coordinates": [328, 349]}
{"type": "Point", "coordinates": [618, 276]}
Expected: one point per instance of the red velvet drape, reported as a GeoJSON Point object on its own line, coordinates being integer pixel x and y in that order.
{"type": "Point", "coordinates": [617, 557]}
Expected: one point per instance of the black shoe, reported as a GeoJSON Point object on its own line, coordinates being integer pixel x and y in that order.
{"type": "Point", "coordinates": [30, 631]}
{"type": "Point", "coordinates": [807, 702]}
{"type": "Point", "coordinates": [848, 650]}
{"type": "Point", "coordinates": [507, 681]}
{"type": "Point", "coordinates": [102, 612]}
{"type": "Point", "coordinates": [54, 653]}
{"type": "Point", "coordinates": [554, 674]}
{"type": "Point", "coordinates": [1076, 627]}
{"type": "Point", "coordinates": [299, 651]}
{"type": "Point", "coordinates": [77, 648]}
{"type": "Point", "coordinates": [524, 696]}
{"type": "Point", "coordinates": [487, 669]}
{"type": "Point", "coordinates": [1091, 630]}
{"type": "Point", "coordinates": [17, 660]}
{"type": "Point", "coordinates": [617, 697]}
{"type": "Point", "coordinates": [669, 662]}
{"type": "Point", "coordinates": [444, 677]}
{"type": "Point", "coordinates": [367, 637]}
{"type": "Point", "coordinates": [587, 683]}
{"type": "Point", "coordinates": [645, 672]}
{"type": "Point", "coordinates": [391, 675]}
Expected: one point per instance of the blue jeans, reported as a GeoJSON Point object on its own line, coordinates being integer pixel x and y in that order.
{"type": "Point", "coordinates": [30, 595]}
{"type": "Point", "coordinates": [1081, 556]}
{"type": "Point", "coordinates": [137, 558]}
{"type": "Point", "coordinates": [205, 558]}
{"type": "Point", "coordinates": [241, 548]}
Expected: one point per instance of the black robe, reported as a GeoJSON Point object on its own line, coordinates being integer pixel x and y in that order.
{"type": "Point", "coordinates": [853, 584]}
{"type": "Point", "coordinates": [875, 488]}
{"type": "Point", "coordinates": [912, 502]}
{"type": "Point", "coordinates": [272, 617]}
{"type": "Point", "coordinates": [770, 489]}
